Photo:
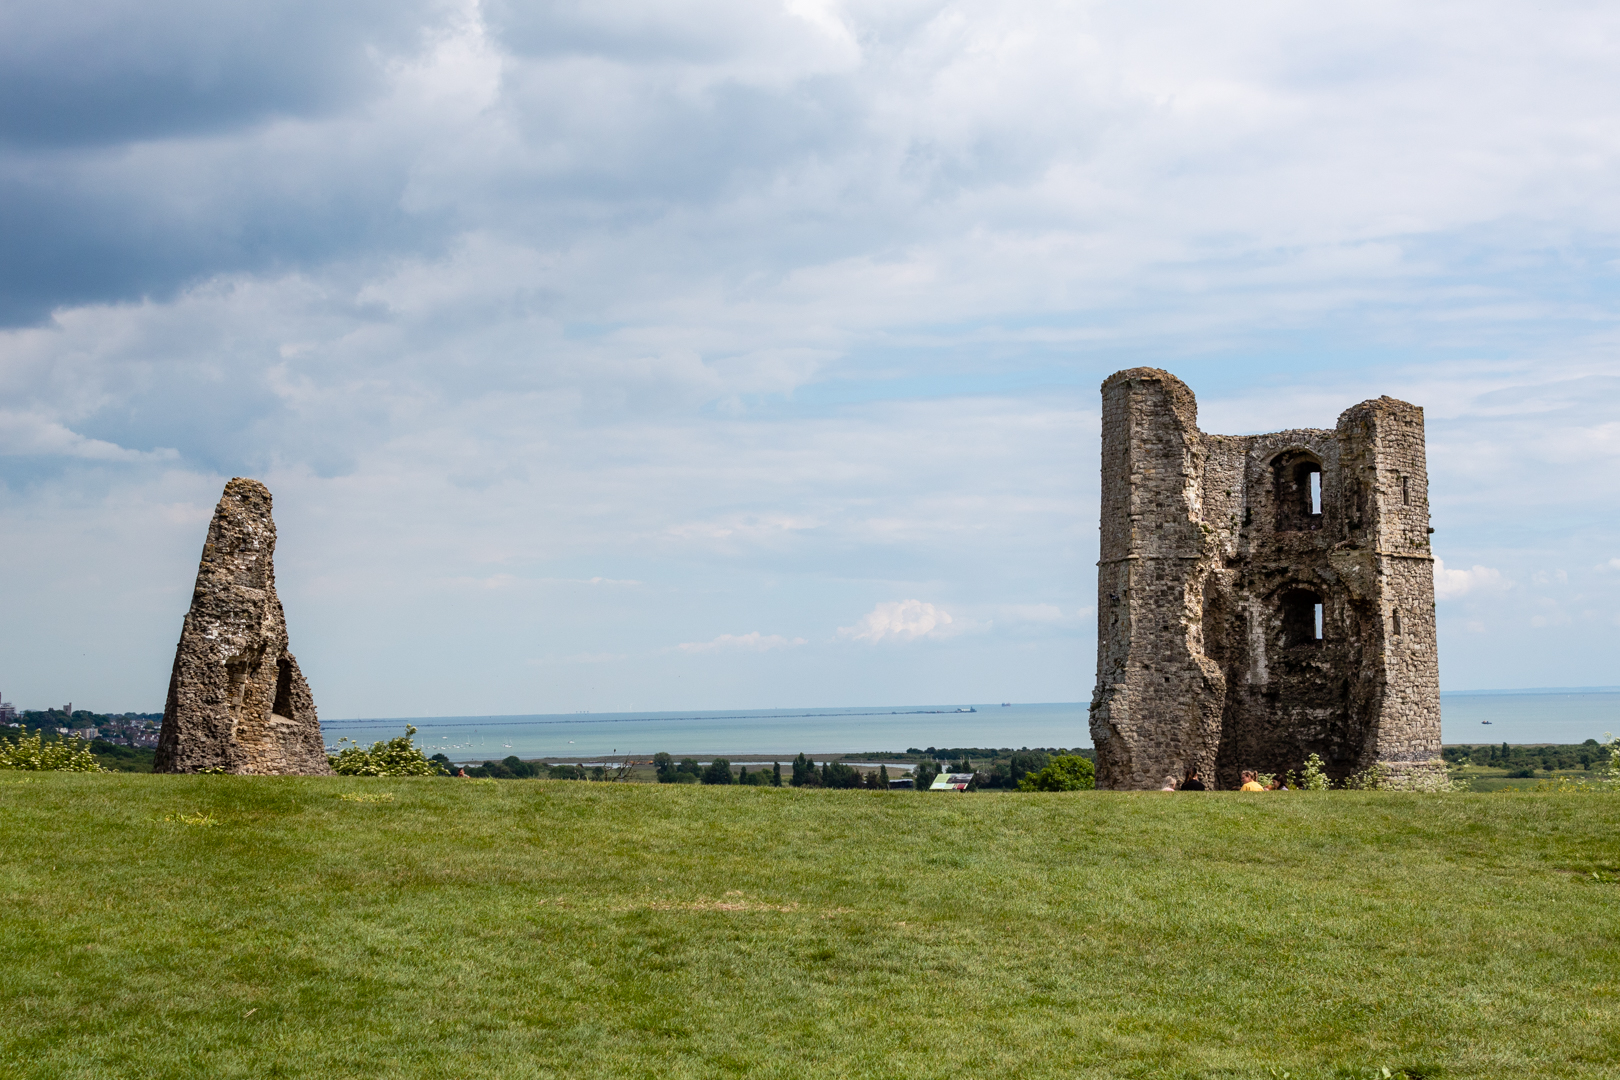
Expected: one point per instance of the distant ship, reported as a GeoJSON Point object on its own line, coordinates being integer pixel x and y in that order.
{"type": "Point", "coordinates": [967, 710]}
{"type": "Point", "coordinates": [1006, 704]}
{"type": "Point", "coordinates": [1484, 721]}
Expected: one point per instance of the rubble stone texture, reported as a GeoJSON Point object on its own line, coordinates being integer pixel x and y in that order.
{"type": "Point", "coordinates": [1213, 563]}
{"type": "Point", "coordinates": [237, 700]}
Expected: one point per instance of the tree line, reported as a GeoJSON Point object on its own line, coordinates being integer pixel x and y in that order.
{"type": "Point", "coordinates": [1525, 760]}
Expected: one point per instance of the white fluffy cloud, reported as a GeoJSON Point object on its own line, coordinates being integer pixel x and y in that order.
{"type": "Point", "coordinates": [753, 641]}
{"type": "Point", "coordinates": [901, 620]}
{"type": "Point", "coordinates": [1450, 584]}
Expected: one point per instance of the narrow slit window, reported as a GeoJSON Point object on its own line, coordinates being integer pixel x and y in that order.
{"type": "Point", "coordinates": [1316, 493]}
{"type": "Point", "coordinates": [1397, 620]}
{"type": "Point", "coordinates": [1318, 622]}
{"type": "Point", "coordinates": [1406, 492]}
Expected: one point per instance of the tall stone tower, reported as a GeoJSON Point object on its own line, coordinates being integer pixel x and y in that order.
{"type": "Point", "coordinates": [1261, 597]}
{"type": "Point", "coordinates": [237, 700]}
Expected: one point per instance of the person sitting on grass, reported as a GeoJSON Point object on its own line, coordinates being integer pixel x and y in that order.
{"type": "Point", "coordinates": [1169, 783]}
{"type": "Point", "coordinates": [1278, 784]}
{"type": "Point", "coordinates": [1192, 783]}
{"type": "Point", "coordinates": [1249, 781]}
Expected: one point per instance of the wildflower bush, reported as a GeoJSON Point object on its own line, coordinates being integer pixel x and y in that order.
{"type": "Point", "coordinates": [396, 757]}
{"type": "Point", "coordinates": [1313, 777]}
{"type": "Point", "coordinates": [1611, 768]}
{"type": "Point", "coordinates": [1431, 777]}
{"type": "Point", "coordinates": [37, 755]}
{"type": "Point", "coordinates": [1067, 773]}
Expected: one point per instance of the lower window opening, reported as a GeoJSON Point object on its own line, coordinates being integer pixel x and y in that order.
{"type": "Point", "coordinates": [1303, 618]}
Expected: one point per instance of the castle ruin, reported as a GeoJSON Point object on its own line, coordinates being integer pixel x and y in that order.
{"type": "Point", "coordinates": [1261, 597]}
{"type": "Point", "coordinates": [237, 701]}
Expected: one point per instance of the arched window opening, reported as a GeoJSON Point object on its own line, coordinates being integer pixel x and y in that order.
{"type": "Point", "coordinates": [283, 705]}
{"type": "Point", "coordinates": [1302, 618]}
{"type": "Point", "coordinates": [1297, 477]}
{"type": "Point", "coordinates": [1397, 621]}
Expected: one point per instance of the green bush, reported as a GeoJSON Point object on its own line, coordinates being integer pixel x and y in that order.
{"type": "Point", "coordinates": [396, 757]}
{"type": "Point", "coordinates": [1611, 767]}
{"type": "Point", "coordinates": [37, 755]}
{"type": "Point", "coordinates": [1066, 773]}
{"type": "Point", "coordinates": [1312, 778]}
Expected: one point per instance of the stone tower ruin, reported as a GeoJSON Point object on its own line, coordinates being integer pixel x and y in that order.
{"type": "Point", "coordinates": [237, 700]}
{"type": "Point", "coordinates": [1261, 597]}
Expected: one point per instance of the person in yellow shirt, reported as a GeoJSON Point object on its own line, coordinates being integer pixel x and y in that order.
{"type": "Point", "coordinates": [1249, 781]}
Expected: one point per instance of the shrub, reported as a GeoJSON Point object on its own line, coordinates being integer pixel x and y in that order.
{"type": "Point", "coordinates": [396, 757]}
{"type": "Point", "coordinates": [1312, 778]}
{"type": "Point", "coordinates": [37, 755]}
{"type": "Point", "coordinates": [1610, 776]}
{"type": "Point", "coordinates": [1427, 776]}
{"type": "Point", "coordinates": [1069, 772]}
{"type": "Point", "coordinates": [718, 772]}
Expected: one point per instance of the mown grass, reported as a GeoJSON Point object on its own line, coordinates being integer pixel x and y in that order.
{"type": "Point", "coordinates": [163, 926]}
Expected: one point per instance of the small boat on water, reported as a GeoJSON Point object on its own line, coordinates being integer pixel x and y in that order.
{"type": "Point", "coordinates": [1006, 704]}
{"type": "Point", "coordinates": [967, 710]}
{"type": "Point", "coordinates": [1484, 721]}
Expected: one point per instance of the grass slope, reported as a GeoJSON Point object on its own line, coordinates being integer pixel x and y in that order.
{"type": "Point", "coordinates": [530, 929]}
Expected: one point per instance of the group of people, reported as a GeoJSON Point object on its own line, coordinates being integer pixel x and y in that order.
{"type": "Point", "coordinates": [1251, 782]}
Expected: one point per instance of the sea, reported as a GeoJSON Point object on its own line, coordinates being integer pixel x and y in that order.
{"type": "Point", "coordinates": [750, 735]}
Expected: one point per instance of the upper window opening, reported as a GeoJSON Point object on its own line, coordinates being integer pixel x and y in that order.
{"type": "Point", "coordinates": [1302, 618]}
{"type": "Point", "coordinates": [1406, 491]}
{"type": "Point", "coordinates": [1297, 490]}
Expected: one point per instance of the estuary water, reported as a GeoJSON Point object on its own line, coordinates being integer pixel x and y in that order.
{"type": "Point", "coordinates": [748, 734]}
{"type": "Point", "coordinates": [1517, 716]}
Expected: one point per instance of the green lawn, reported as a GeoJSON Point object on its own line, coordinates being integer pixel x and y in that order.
{"type": "Point", "coordinates": [554, 928]}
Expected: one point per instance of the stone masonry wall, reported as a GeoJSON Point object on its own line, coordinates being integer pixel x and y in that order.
{"type": "Point", "coordinates": [237, 700]}
{"type": "Point", "coordinates": [1210, 652]}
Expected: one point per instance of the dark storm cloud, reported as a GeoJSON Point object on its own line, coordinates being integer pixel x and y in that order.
{"type": "Point", "coordinates": [86, 234]}
{"type": "Point", "coordinates": [108, 71]}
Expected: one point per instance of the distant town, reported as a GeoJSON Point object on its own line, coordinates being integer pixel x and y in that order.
{"type": "Point", "coordinates": [123, 742]}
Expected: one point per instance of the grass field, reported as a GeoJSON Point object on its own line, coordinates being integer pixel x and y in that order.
{"type": "Point", "coordinates": [168, 926]}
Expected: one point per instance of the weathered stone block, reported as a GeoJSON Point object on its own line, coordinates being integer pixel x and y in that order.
{"type": "Point", "coordinates": [237, 700]}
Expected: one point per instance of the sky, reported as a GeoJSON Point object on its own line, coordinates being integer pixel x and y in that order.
{"type": "Point", "coordinates": [707, 354]}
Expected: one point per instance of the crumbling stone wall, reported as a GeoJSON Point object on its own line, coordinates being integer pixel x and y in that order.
{"type": "Point", "coordinates": [237, 700]}
{"type": "Point", "coordinates": [1211, 648]}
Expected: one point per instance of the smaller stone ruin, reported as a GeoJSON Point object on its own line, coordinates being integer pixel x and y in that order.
{"type": "Point", "coordinates": [237, 701]}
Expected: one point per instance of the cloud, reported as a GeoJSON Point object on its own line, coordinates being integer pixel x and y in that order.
{"type": "Point", "coordinates": [750, 642]}
{"type": "Point", "coordinates": [902, 620]}
{"type": "Point", "coordinates": [29, 435]}
{"type": "Point", "coordinates": [782, 307]}
{"type": "Point", "coordinates": [1451, 584]}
